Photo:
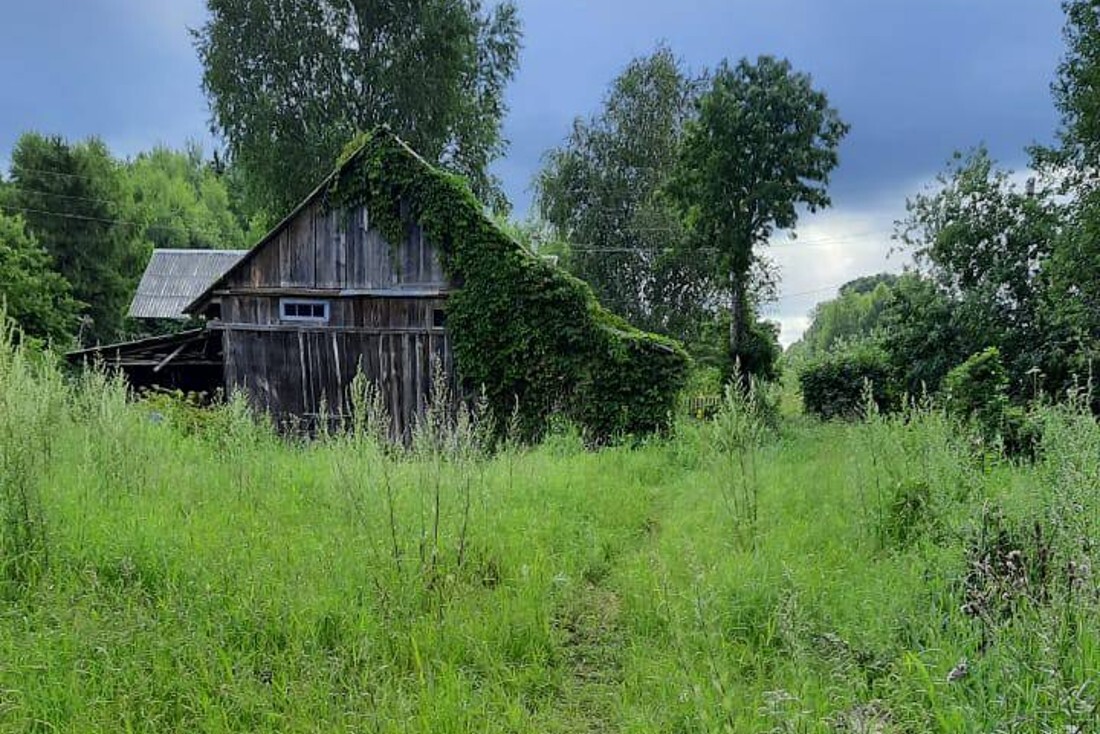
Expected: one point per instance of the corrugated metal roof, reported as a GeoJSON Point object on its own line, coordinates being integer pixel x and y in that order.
{"type": "Point", "coordinates": [175, 278]}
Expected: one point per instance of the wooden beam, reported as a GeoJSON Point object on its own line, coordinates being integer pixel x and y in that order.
{"type": "Point", "coordinates": [302, 328]}
{"type": "Point", "coordinates": [170, 357]}
{"type": "Point", "coordinates": [410, 292]}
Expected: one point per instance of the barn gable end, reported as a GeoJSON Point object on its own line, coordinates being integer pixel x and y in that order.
{"type": "Point", "coordinates": [323, 296]}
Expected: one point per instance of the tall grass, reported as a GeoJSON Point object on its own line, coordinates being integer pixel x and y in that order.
{"type": "Point", "coordinates": [168, 569]}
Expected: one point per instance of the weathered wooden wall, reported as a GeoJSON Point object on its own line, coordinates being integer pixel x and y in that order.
{"type": "Point", "coordinates": [294, 372]}
{"type": "Point", "coordinates": [340, 250]}
{"type": "Point", "coordinates": [383, 304]}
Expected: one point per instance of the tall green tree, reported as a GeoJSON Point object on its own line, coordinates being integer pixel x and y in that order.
{"type": "Point", "coordinates": [602, 191]}
{"type": "Point", "coordinates": [1077, 94]}
{"type": "Point", "coordinates": [986, 244]}
{"type": "Point", "coordinates": [1072, 273]}
{"type": "Point", "coordinates": [181, 201]}
{"type": "Point", "coordinates": [74, 203]}
{"type": "Point", "coordinates": [921, 335]}
{"type": "Point", "coordinates": [290, 82]}
{"type": "Point", "coordinates": [763, 144]}
{"type": "Point", "coordinates": [32, 293]}
{"type": "Point", "coordinates": [854, 315]}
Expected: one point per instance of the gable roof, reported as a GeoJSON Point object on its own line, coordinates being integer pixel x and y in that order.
{"type": "Point", "coordinates": [174, 278]}
{"type": "Point", "coordinates": [347, 158]}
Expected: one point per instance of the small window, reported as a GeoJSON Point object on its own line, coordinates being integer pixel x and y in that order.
{"type": "Point", "coordinates": [439, 318]}
{"type": "Point", "coordinates": [293, 309]}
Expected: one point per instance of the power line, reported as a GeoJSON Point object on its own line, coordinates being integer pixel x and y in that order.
{"type": "Point", "coordinates": [104, 220]}
{"type": "Point", "coordinates": [59, 174]}
{"type": "Point", "coordinates": [785, 242]}
{"type": "Point", "coordinates": [823, 289]}
{"type": "Point", "coordinates": [589, 248]}
{"type": "Point", "coordinates": [66, 196]}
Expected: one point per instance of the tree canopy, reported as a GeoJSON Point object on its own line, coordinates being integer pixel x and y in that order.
{"type": "Point", "coordinates": [34, 295]}
{"type": "Point", "coordinates": [180, 201]}
{"type": "Point", "coordinates": [603, 191]}
{"type": "Point", "coordinates": [98, 218]}
{"type": "Point", "coordinates": [72, 199]}
{"type": "Point", "coordinates": [289, 83]}
{"type": "Point", "coordinates": [762, 145]}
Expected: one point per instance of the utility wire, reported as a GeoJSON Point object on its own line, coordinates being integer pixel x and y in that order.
{"type": "Point", "coordinates": [104, 220]}
{"type": "Point", "coordinates": [69, 197]}
{"type": "Point", "coordinates": [823, 289]}
{"type": "Point", "coordinates": [785, 242]}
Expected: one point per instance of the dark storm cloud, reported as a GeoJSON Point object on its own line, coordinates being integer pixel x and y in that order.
{"type": "Point", "coordinates": [916, 80]}
{"type": "Point", "coordinates": [124, 70]}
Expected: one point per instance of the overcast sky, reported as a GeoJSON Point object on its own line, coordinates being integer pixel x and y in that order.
{"type": "Point", "coordinates": [916, 79]}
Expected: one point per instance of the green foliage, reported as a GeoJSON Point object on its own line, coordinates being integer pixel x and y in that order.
{"type": "Point", "coordinates": [983, 242]}
{"type": "Point", "coordinates": [910, 514]}
{"type": "Point", "coordinates": [99, 218]}
{"type": "Point", "coordinates": [182, 202]}
{"type": "Point", "coordinates": [32, 293]}
{"type": "Point", "coordinates": [855, 315]}
{"type": "Point", "coordinates": [529, 334]}
{"type": "Point", "coordinates": [762, 146]}
{"type": "Point", "coordinates": [868, 284]}
{"type": "Point", "coordinates": [977, 394]}
{"type": "Point", "coordinates": [835, 385]}
{"type": "Point", "coordinates": [289, 83]}
{"type": "Point", "coordinates": [920, 334]}
{"type": "Point", "coordinates": [603, 190]}
{"type": "Point", "coordinates": [72, 199]}
{"type": "Point", "coordinates": [827, 577]}
{"type": "Point", "coordinates": [760, 350]}
{"type": "Point", "coordinates": [1077, 93]}
{"type": "Point", "coordinates": [978, 388]}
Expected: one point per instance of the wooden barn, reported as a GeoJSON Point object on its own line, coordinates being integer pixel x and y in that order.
{"type": "Point", "coordinates": [322, 296]}
{"type": "Point", "coordinates": [351, 281]}
{"type": "Point", "coordinates": [292, 320]}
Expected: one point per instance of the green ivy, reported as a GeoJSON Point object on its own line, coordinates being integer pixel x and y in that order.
{"type": "Point", "coordinates": [528, 333]}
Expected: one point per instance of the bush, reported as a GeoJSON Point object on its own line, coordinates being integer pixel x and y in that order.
{"type": "Point", "coordinates": [834, 385]}
{"type": "Point", "coordinates": [977, 389]}
{"type": "Point", "coordinates": [976, 392]}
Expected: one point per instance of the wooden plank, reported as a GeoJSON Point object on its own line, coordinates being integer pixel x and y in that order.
{"type": "Point", "coordinates": [340, 393]}
{"type": "Point", "coordinates": [408, 387]}
{"type": "Point", "coordinates": [330, 247]}
{"type": "Point", "coordinates": [297, 252]}
{"type": "Point", "coordinates": [293, 329]}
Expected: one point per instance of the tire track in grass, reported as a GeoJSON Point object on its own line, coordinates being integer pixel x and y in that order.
{"type": "Point", "coordinates": [591, 634]}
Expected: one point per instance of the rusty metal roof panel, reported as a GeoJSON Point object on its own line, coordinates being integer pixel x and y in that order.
{"type": "Point", "coordinates": [175, 278]}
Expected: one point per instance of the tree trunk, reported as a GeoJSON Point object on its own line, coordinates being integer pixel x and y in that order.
{"type": "Point", "coordinates": [737, 314]}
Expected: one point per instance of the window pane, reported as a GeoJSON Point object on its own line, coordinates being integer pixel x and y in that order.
{"type": "Point", "coordinates": [304, 310]}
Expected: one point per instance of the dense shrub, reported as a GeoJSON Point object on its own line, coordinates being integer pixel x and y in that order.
{"type": "Point", "coordinates": [978, 388]}
{"type": "Point", "coordinates": [529, 334]}
{"type": "Point", "coordinates": [834, 385]}
{"type": "Point", "coordinates": [976, 392]}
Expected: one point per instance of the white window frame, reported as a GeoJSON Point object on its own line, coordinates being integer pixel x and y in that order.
{"type": "Point", "coordinates": [284, 316]}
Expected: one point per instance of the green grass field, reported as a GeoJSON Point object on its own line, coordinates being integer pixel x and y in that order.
{"type": "Point", "coordinates": [165, 575]}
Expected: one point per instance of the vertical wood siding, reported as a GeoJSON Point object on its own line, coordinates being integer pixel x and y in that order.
{"type": "Point", "coordinates": [339, 249]}
{"type": "Point", "coordinates": [296, 369]}
{"type": "Point", "coordinates": [296, 373]}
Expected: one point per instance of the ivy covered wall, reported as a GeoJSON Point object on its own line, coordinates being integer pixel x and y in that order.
{"type": "Point", "coordinates": [530, 334]}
